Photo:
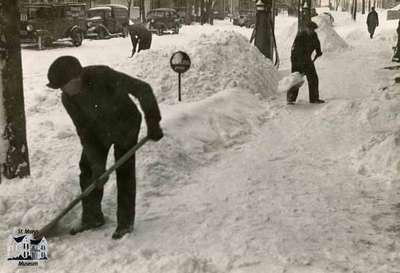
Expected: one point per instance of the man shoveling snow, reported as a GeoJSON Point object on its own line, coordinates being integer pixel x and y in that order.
{"type": "Point", "coordinates": [305, 43]}
{"type": "Point", "coordinates": [97, 100]}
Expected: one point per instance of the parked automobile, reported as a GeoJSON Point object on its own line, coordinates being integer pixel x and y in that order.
{"type": "Point", "coordinates": [218, 15]}
{"type": "Point", "coordinates": [107, 21]}
{"type": "Point", "coordinates": [45, 23]}
{"type": "Point", "coordinates": [245, 19]}
{"type": "Point", "coordinates": [163, 19]}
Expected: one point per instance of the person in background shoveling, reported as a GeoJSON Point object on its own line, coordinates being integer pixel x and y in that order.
{"type": "Point", "coordinates": [305, 43]}
{"type": "Point", "coordinates": [97, 100]}
{"type": "Point", "coordinates": [372, 22]}
{"type": "Point", "coordinates": [139, 35]}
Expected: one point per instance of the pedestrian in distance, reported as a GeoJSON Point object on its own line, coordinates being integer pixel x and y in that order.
{"type": "Point", "coordinates": [372, 22]}
{"type": "Point", "coordinates": [140, 37]}
{"type": "Point", "coordinates": [97, 100]}
{"type": "Point", "coordinates": [305, 43]}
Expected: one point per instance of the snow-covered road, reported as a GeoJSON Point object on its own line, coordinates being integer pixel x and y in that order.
{"type": "Point", "coordinates": [242, 182]}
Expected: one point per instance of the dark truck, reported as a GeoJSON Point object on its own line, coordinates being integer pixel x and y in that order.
{"type": "Point", "coordinates": [107, 21]}
{"type": "Point", "coordinates": [45, 23]}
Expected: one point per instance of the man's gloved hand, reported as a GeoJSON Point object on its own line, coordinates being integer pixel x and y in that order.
{"type": "Point", "coordinates": [154, 131]}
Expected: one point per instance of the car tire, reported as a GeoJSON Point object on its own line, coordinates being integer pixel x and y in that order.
{"type": "Point", "coordinates": [77, 37]}
{"type": "Point", "coordinates": [101, 34]}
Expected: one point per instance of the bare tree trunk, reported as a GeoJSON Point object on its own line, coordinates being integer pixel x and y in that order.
{"type": "Point", "coordinates": [363, 7]}
{"type": "Point", "coordinates": [142, 11]}
{"type": "Point", "coordinates": [16, 163]}
{"type": "Point", "coordinates": [355, 10]}
{"type": "Point", "coordinates": [129, 2]}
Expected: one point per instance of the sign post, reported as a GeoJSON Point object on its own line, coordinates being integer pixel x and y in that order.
{"type": "Point", "coordinates": [180, 63]}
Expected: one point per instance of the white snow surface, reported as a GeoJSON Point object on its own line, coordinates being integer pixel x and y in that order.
{"type": "Point", "coordinates": [241, 182]}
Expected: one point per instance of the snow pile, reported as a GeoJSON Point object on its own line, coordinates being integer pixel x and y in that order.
{"type": "Point", "coordinates": [330, 40]}
{"type": "Point", "coordinates": [294, 79]}
{"type": "Point", "coordinates": [220, 60]}
{"type": "Point", "coordinates": [381, 154]}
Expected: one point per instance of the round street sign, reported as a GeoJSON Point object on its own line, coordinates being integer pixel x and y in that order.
{"type": "Point", "coordinates": [180, 62]}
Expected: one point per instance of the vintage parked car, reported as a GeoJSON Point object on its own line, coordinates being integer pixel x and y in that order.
{"type": "Point", "coordinates": [163, 19]}
{"type": "Point", "coordinates": [245, 19]}
{"type": "Point", "coordinates": [45, 23]}
{"type": "Point", "coordinates": [107, 21]}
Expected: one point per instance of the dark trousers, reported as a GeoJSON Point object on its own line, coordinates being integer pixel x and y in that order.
{"type": "Point", "coordinates": [371, 30]}
{"type": "Point", "coordinates": [144, 44]}
{"type": "Point", "coordinates": [313, 81]}
{"type": "Point", "coordinates": [126, 184]}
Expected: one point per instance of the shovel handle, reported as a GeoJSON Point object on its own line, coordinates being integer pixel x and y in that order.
{"type": "Point", "coordinates": [44, 230]}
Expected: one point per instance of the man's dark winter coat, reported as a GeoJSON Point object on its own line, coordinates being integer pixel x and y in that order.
{"type": "Point", "coordinates": [304, 45]}
{"type": "Point", "coordinates": [104, 111]}
{"type": "Point", "coordinates": [302, 49]}
{"type": "Point", "coordinates": [140, 34]}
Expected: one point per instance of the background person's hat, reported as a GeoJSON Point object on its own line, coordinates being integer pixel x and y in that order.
{"type": "Point", "coordinates": [62, 70]}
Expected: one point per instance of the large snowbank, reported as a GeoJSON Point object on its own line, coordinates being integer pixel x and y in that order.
{"type": "Point", "coordinates": [380, 155]}
{"type": "Point", "coordinates": [220, 60]}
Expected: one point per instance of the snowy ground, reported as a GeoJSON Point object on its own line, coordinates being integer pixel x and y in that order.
{"type": "Point", "coordinates": [241, 182]}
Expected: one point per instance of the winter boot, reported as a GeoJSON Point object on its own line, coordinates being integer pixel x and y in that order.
{"type": "Point", "coordinates": [317, 101]}
{"type": "Point", "coordinates": [121, 231]}
{"type": "Point", "coordinates": [83, 226]}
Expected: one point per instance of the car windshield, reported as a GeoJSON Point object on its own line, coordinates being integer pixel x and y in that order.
{"type": "Point", "coordinates": [53, 12]}
{"type": "Point", "coordinates": [160, 14]}
{"type": "Point", "coordinates": [96, 12]}
{"type": "Point", "coordinates": [42, 13]}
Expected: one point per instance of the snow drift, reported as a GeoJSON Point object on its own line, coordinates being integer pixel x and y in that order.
{"type": "Point", "coordinates": [381, 154]}
{"type": "Point", "coordinates": [220, 60]}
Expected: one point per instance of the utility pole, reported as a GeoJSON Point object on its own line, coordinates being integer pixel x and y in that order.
{"type": "Point", "coordinates": [142, 11]}
{"type": "Point", "coordinates": [14, 157]}
{"type": "Point", "coordinates": [263, 28]}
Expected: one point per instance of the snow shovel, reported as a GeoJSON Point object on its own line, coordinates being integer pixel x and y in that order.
{"type": "Point", "coordinates": [295, 79]}
{"type": "Point", "coordinates": [101, 180]}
